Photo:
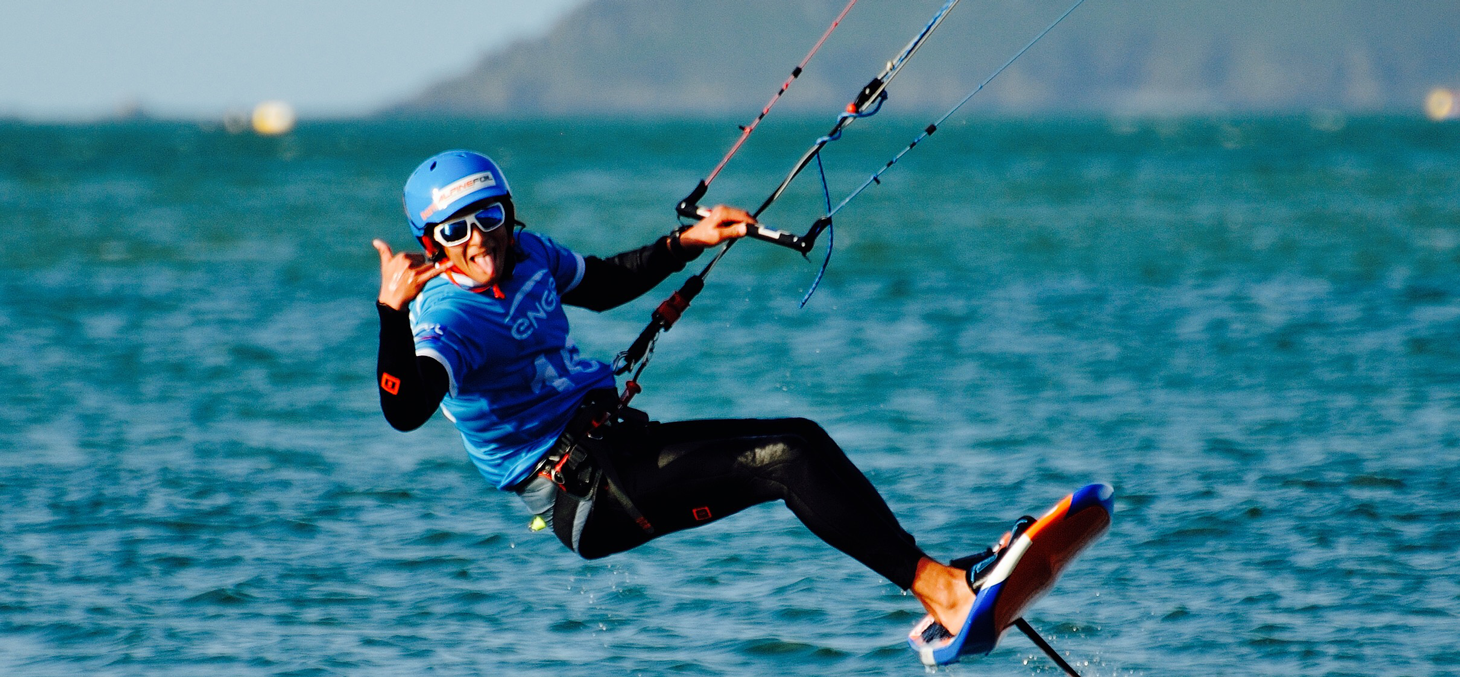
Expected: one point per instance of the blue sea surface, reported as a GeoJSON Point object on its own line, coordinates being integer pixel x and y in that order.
{"type": "Point", "coordinates": [1249, 326]}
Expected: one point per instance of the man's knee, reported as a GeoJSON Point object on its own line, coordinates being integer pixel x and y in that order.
{"type": "Point", "coordinates": [810, 431]}
{"type": "Point", "coordinates": [797, 442]}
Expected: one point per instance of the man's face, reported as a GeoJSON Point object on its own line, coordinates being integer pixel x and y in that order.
{"type": "Point", "coordinates": [483, 255]}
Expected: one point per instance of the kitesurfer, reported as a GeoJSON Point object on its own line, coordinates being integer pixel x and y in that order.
{"type": "Point", "coordinates": [475, 326]}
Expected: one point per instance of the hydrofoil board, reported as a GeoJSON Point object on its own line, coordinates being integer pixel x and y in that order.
{"type": "Point", "coordinates": [1021, 572]}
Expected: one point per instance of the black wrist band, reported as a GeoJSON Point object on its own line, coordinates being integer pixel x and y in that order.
{"type": "Point", "coordinates": [677, 248]}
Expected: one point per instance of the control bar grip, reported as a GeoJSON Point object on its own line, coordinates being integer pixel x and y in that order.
{"type": "Point", "coordinates": [757, 231]}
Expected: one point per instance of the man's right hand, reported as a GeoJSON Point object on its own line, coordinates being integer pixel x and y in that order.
{"type": "Point", "coordinates": [720, 225]}
{"type": "Point", "coordinates": [403, 275]}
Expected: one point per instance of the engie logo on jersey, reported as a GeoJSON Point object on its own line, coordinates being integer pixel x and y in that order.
{"type": "Point", "coordinates": [441, 197]}
{"type": "Point", "coordinates": [535, 310]}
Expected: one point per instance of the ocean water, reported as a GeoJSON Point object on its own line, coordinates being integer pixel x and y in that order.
{"type": "Point", "coordinates": [1249, 326]}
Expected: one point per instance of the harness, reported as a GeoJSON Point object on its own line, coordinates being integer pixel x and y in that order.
{"type": "Point", "coordinates": [579, 464]}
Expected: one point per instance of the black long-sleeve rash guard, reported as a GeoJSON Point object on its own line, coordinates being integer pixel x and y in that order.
{"type": "Point", "coordinates": [412, 387]}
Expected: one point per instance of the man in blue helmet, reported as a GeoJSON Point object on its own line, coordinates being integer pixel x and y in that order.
{"type": "Point", "coordinates": [476, 327]}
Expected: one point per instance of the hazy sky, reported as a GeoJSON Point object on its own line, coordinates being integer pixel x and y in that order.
{"type": "Point", "coordinates": [76, 59]}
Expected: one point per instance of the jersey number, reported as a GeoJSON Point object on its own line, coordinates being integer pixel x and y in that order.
{"type": "Point", "coordinates": [551, 376]}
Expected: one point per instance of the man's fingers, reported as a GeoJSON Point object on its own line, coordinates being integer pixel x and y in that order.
{"type": "Point", "coordinates": [724, 214]}
{"type": "Point", "coordinates": [430, 271]}
{"type": "Point", "coordinates": [733, 229]}
{"type": "Point", "coordinates": [384, 249]}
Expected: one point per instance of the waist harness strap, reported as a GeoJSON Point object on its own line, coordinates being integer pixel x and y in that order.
{"type": "Point", "coordinates": [580, 460]}
{"type": "Point", "coordinates": [615, 488]}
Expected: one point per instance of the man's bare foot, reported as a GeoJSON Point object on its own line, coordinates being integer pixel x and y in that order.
{"type": "Point", "coordinates": [944, 592]}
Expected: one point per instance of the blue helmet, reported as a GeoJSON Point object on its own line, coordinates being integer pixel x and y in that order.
{"type": "Point", "coordinates": [447, 182]}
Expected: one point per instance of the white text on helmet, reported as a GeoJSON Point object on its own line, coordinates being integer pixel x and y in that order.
{"type": "Point", "coordinates": [441, 197]}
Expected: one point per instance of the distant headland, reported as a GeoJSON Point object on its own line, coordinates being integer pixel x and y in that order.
{"type": "Point", "coordinates": [696, 57]}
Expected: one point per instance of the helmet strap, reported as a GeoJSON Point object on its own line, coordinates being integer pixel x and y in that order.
{"type": "Point", "coordinates": [434, 252]}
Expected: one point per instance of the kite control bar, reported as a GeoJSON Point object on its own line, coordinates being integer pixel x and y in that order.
{"type": "Point", "coordinates": [690, 209]}
{"type": "Point", "coordinates": [670, 310]}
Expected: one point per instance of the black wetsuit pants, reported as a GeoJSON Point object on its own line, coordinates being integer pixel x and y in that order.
{"type": "Point", "coordinates": [686, 474]}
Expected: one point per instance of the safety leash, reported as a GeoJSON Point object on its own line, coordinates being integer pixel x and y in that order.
{"type": "Point", "coordinates": [928, 131]}
{"type": "Point", "coordinates": [824, 223]}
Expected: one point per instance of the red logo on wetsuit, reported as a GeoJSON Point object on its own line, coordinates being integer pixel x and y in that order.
{"type": "Point", "coordinates": [389, 383]}
{"type": "Point", "coordinates": [702, 514]}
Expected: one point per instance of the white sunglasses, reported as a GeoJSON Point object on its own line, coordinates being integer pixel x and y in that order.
{"type": "Point", "coordinates": [458, 230]}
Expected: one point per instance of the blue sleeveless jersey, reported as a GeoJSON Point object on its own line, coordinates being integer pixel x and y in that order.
{"type": "Point", "coordinates": [516, 377]}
